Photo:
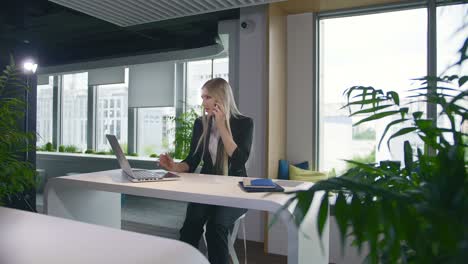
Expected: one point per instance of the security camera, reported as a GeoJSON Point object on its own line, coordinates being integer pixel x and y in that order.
{"type": "Point", "coordinates": [244, 25]}
{"type": "Point", "coordinates": [247, 26]}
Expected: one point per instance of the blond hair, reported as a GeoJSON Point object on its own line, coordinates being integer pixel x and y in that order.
{"type": "Point", "coordinates": [221, 91]}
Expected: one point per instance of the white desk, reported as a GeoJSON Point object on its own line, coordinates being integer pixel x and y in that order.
{"type": "Point", "coordinates": [27, 238]}
{"type": "Point", "coordinates": [95, 198]}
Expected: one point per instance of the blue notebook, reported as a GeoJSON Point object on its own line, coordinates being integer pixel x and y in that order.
{"type": "Point", "coordinates": [260, 185]}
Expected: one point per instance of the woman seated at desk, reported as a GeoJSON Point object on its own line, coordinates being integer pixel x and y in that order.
{"type": "Point", "coordinates": [224, 147]}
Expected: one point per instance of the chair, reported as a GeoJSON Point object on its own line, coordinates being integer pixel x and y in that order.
{"type": "Point", "coordinates": [231, 240]}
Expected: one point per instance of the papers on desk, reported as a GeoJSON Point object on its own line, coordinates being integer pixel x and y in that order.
{"type": "Point", "coordinates": [260, 185]}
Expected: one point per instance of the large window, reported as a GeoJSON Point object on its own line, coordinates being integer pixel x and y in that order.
{"type": "Point", "coordinates": [155, 130]}
{"type": "Point", "coordinates": [154, 126]}
{"type": "Point", "coordinates": [112, 114]}
{"type": "Point", "coordinates": [44, 112]}
{"type": "Point", "coordinates": [198, 72]}
{"type": "Point", "coordinates": [384, 50]}
{"type": "Point", "coordinates": [221, 68]}
{"type": "Point", "coordinates": [75, 110]}
{"type": "Point", "coordinates": [451, 34]}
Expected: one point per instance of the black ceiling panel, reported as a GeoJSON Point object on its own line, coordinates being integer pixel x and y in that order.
{"type": "Point", "coordinates": [56, 35]}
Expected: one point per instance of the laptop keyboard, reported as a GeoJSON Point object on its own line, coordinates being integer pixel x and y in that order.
{"type": "Point", "coordinates": [142, 174]}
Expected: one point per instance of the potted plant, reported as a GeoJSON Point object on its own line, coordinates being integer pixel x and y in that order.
{"type": "Point", "coordinates": [183, 133]}
{"type": "Point", "coordinates": [16, 175]}
{"type": "Point", "coordinates": [415, 211]}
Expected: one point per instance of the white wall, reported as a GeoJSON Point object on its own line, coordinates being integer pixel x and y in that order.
{"type": "Point", "coordinates": [299, 87]}
{"type": "Point", "coordinates": [299, 107]}
{"type": "Point", "coordinates": [253, 99]}
{"type": "Point", "coordinates": [300, 46]}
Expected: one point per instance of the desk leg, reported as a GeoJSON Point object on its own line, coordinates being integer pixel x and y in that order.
{"type": "Point", "coordinates": [85, 205]}
{"type": "Point", "coordinates": [305, 244]}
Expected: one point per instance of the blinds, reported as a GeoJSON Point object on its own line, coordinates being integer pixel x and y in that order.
{"type": "Point", "coordinates": [42, 79]}
{"type": "Point", "coordinates": [103, 76]}
{"type": "Point", "coordinates": [151, 85]}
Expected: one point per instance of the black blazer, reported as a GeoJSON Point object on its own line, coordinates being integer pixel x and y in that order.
{"type": "Point", "coordinates": [242, 132]}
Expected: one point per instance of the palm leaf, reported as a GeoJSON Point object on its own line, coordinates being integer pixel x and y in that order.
{"type": "Point", "coordinates": [376, 117]}
{"type": "Point", "coordinates": [387, 128]}
{"type": "Point", "coordinates": [401, 132]}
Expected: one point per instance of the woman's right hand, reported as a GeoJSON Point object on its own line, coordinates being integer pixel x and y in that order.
{"type": "Point", "coordinates": [166, 162]}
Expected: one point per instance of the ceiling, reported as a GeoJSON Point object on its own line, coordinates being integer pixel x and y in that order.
{"type": "Point", "coordinates": [135, 12]}
{"type": "Point", "coordinates": [55, 35]}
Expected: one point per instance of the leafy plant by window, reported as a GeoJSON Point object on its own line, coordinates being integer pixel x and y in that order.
{"type": "Point", "coordinates": [49, 147]}
{"type": "Point", "coordinates": [367, 159]}
{"type": "Point", "coordinates": [183, 132]}
{"type": "Point", "coordinates": [415, 212]}
{"type": "Point", "coordinates": [16, 176]}
{"type": "Point", "coordinates": [71, 149]}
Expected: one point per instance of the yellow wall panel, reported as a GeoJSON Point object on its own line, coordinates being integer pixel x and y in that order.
{"type": "Point", "coordinates": [303, 6]}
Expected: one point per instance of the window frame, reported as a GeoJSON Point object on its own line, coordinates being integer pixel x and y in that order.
{"type": "Point", "coordinates": [431, 8]}
{"type": "Point", "coordinates": [92, 101]}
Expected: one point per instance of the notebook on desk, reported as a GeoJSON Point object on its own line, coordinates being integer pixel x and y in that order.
{"type": "Point", "coordinates": [259, 185]}
{"type": "Point", "coordinates": [138, 175]}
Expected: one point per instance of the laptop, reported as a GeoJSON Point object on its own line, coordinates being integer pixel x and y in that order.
{"type": "Point", "coordinates": [138, 175]}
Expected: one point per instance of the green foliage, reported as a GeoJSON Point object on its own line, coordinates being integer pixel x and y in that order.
{"type": "Point", "coordinates": [61, 148]}
{"type": "Point", "coordinates": [49, 147]}
{"type": "Point", "coordinates": [154, 155]}
{"type": "Point", "coordinates": [183, 133]}
{"type": "Point", "coordinates": [132, 154]}
{"type": "Point", "coordinates": [89, 151]}
{"type": "Point", "coordinates": [370, 158]}
{"type": "Point", "coordinates": [16, 176]}
{"type": "Point", "coordinates": [70, 149]}
{"type": "Point", "coordinates": [415, 213]}
{"type": "Point", "coordinates": [46, 147]}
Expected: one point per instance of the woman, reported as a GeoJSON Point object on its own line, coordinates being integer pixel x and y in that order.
{"type": "Point", "coordinates": [222, 137]}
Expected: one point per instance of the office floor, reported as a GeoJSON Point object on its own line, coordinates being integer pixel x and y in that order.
{"type": "Point", "coordinates": [164, 218]}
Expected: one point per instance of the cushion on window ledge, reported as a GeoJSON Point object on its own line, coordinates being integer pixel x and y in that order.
{"type": "Point", "coordinates": [283, 168]}
{"type": "Point", "coordinates": [298, 174]}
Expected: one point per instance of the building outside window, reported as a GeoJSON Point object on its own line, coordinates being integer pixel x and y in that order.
{"type": "Point", "coordinates": [198, 72]}
{"type": "Point", "coordinates": [75, 110]}
{"type": "Point", "coordinates": [112, 114]}
{"type": "Point", "coordinates": [155, 130]}
{"type": "Point", "coordinates": [44, 113]}
{"type": "Point", "coordinates": [221, 68]}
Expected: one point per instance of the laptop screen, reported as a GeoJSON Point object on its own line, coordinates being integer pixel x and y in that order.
{"type": "Point", "coordinates": [120, 155]}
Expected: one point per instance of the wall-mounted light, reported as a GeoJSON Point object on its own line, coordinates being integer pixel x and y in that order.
{"type": "Point", "coordinates": [30, 67]}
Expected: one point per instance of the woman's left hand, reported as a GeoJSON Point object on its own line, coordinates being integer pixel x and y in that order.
{"type": "Point", "coordinates": [220, 116]}
{"type": "Point", "coordinates": [220, 119]}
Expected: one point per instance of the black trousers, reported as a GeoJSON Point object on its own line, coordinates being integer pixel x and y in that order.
{"type": "Point", "coordinates": [219, 223]}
